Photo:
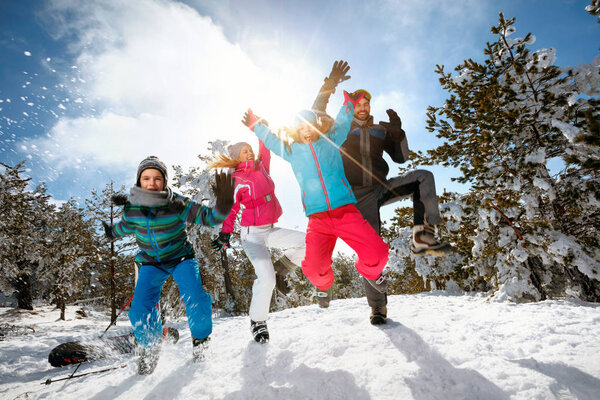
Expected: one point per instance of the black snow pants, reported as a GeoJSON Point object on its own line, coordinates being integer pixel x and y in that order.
{"type": "Point", "coordinates": [420, 184]}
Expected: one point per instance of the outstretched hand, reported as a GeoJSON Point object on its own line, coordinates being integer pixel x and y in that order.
{"type": "Point", "coordinates": [338, 72]}
{"type": "Point", "coordinates": [250, 119]}
{"type": "Point", "coordinates": [394, 127]}
{"type": "Point", "coordinates": [223, 188]}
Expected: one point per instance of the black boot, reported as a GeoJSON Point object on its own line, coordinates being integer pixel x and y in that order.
{"type": "Point", "coordinates": [259, 331]}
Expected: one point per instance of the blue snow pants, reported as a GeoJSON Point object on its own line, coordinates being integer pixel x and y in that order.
{"type": "Point", "coordinates": [144, 315]}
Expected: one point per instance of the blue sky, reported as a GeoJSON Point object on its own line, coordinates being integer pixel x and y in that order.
{"type": "Point", "coordinates": [88, 89]}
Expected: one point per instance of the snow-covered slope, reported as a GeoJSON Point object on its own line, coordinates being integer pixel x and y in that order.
{"type": "Point", "coordinates": [435, 346]}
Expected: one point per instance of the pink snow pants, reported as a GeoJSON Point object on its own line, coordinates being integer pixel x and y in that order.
{"type": "Point", "coordinates": [346, 223]}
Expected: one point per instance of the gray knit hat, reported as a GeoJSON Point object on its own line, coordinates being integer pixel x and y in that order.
{"type": "Point", "coordinates": [152, 162]}
{"type": "Point", "coordinates": [234, 149]}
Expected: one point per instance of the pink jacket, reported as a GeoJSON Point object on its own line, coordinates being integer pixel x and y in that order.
{"type": "Point", "coordinates": [255, 190]}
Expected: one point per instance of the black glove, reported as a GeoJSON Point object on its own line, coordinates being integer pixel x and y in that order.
{"type": "Point", "coordinates": [223, 189]}
{"type": "Point", "coordinates": [338, 73]}
{"type": "Point", "coordinates": [119, 199]}
{"type": "Point", "coordinates": [394, 127]}
{"type": "Point", "coordinates": [108, 232]}
{"type": "Point", "coordinates": [336, 76]}
{"type": "Point", "coordinates": [221, 242]}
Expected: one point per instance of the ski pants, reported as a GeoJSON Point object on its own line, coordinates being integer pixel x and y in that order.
{"type": "Point", "coordinates": [346, 223]}
{"type": "Point", "coordinates": [418, 183]}
{"type": "Point", "coordinates": [255, 241]}
{"type": "Point", "coordinates": [144, 315]}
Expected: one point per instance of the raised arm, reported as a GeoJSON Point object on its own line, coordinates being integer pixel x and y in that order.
{"type": "Point", "coordinates": [336, 76]}
{"type": "Point", "coordinates": [265, 156]}
{"type": "Point", "coordinates": [195, 213]}
{"type": "Point", "coordinates": [264, 134]}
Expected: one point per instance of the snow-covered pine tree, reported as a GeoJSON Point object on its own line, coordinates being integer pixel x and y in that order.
{"type": "Point", "coordinates": [24, 219]}
{"type": "Point", "coordinates": [594, 8]}
{"type": "Point", "coordinates": [70, 254]}
{"type": "Point", "coordinates": [408, 273]}
{"type": "Point", "coordinates": [508, 119]}
{"type": "Point", "coordinates": [114, 279]}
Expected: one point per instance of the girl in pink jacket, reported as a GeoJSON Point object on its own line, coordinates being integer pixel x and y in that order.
{"type": "Point", "coordinates": [255, 195]}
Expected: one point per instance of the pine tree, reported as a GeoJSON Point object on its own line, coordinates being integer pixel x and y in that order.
{"type": "Point", "coordinates": [535, 235]}
{"type": "Point", "coordinates": [70, 253]}
{"type": "Point", "coordinates": [24, 219]}
{"type": "Point", "coordinates": [116, 273]}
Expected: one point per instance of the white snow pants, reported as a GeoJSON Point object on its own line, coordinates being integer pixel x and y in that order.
{"type": "Point", "coordinates": [255, 240]}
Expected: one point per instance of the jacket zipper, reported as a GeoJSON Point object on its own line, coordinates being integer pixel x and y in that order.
{"type": "Point", "coordinates": [320, 176]}
{"type": "Point", "coordinates": [349, 190]}
{"type": "Point", "coordinates": [152, 240]}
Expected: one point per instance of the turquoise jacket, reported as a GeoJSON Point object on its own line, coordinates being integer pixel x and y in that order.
{"type": "Point", "coordinates": [317, 166]}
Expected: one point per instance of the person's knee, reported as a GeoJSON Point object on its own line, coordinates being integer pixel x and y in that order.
{"type": "Point", "coordinates": [424, 175]}
{"type": "Point", "coordinates": [266, 280]}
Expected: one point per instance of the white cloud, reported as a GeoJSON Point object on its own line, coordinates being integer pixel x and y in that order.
{"type": "Point", "coordinates": [168, 81]}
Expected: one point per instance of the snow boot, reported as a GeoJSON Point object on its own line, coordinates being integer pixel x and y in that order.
{"type": "Point", "coordinates": [199, 349]}
{"type": "Point", "coordinates": [378, 315]}
{"type": "Point", "coordinates": [259, 331]}
{"type": "Point", "coordinates": [379, 284]}
{"type": "Point", "coordinates": [424, 241]}
{"type": "Point", "coordinates": [148, 359]}
{"type": "Point", "coordinates": [376, 290]}
{"type": "Point", "coordinates": [282, 267]}
{"type": "Point", "coordinates": [324, 297]}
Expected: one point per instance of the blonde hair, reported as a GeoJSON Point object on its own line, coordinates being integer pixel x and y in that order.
{"type": "Point", "coordinates": [225, 161]}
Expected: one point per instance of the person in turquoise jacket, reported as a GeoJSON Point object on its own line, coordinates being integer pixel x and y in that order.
{"type": "Point", "coordinates": [313, 152]}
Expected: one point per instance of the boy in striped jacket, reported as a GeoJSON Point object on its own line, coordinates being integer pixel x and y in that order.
{"type": "Point", "coordinates": [158, 216]}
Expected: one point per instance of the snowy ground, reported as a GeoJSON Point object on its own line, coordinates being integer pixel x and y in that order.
{"type": "Point", "coordinates": [435, 346]}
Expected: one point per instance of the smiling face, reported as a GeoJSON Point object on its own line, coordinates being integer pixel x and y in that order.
{"type": "Point", "coordinates": [362, 109]}
{"type": "Point", "coordinates": [307, 133]}
{"type": "Point", "coordinates": [152, 179]}
{"type": "Point", "coordinates": [246, 154]}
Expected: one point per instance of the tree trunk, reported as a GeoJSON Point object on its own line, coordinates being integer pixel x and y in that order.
{"type": "Point", "coordinates": [23, 294]}
{"type": "Point", "coordinates": [113, 289]}
{"type": "Point", "coordinates": [228, 285]}
{"type": "Point", "coordinates": [61, 304]}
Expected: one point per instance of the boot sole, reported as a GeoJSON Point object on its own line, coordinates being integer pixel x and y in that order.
{"type": "Point", "coordinates": [441, 251]}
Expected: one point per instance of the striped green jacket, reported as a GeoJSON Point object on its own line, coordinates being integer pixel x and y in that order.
{"type": "Point", "coordinates": [160, 231]}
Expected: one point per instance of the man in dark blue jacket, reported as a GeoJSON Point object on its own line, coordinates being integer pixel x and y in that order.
{"type": "Point", "coordinates": [366, 171]}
